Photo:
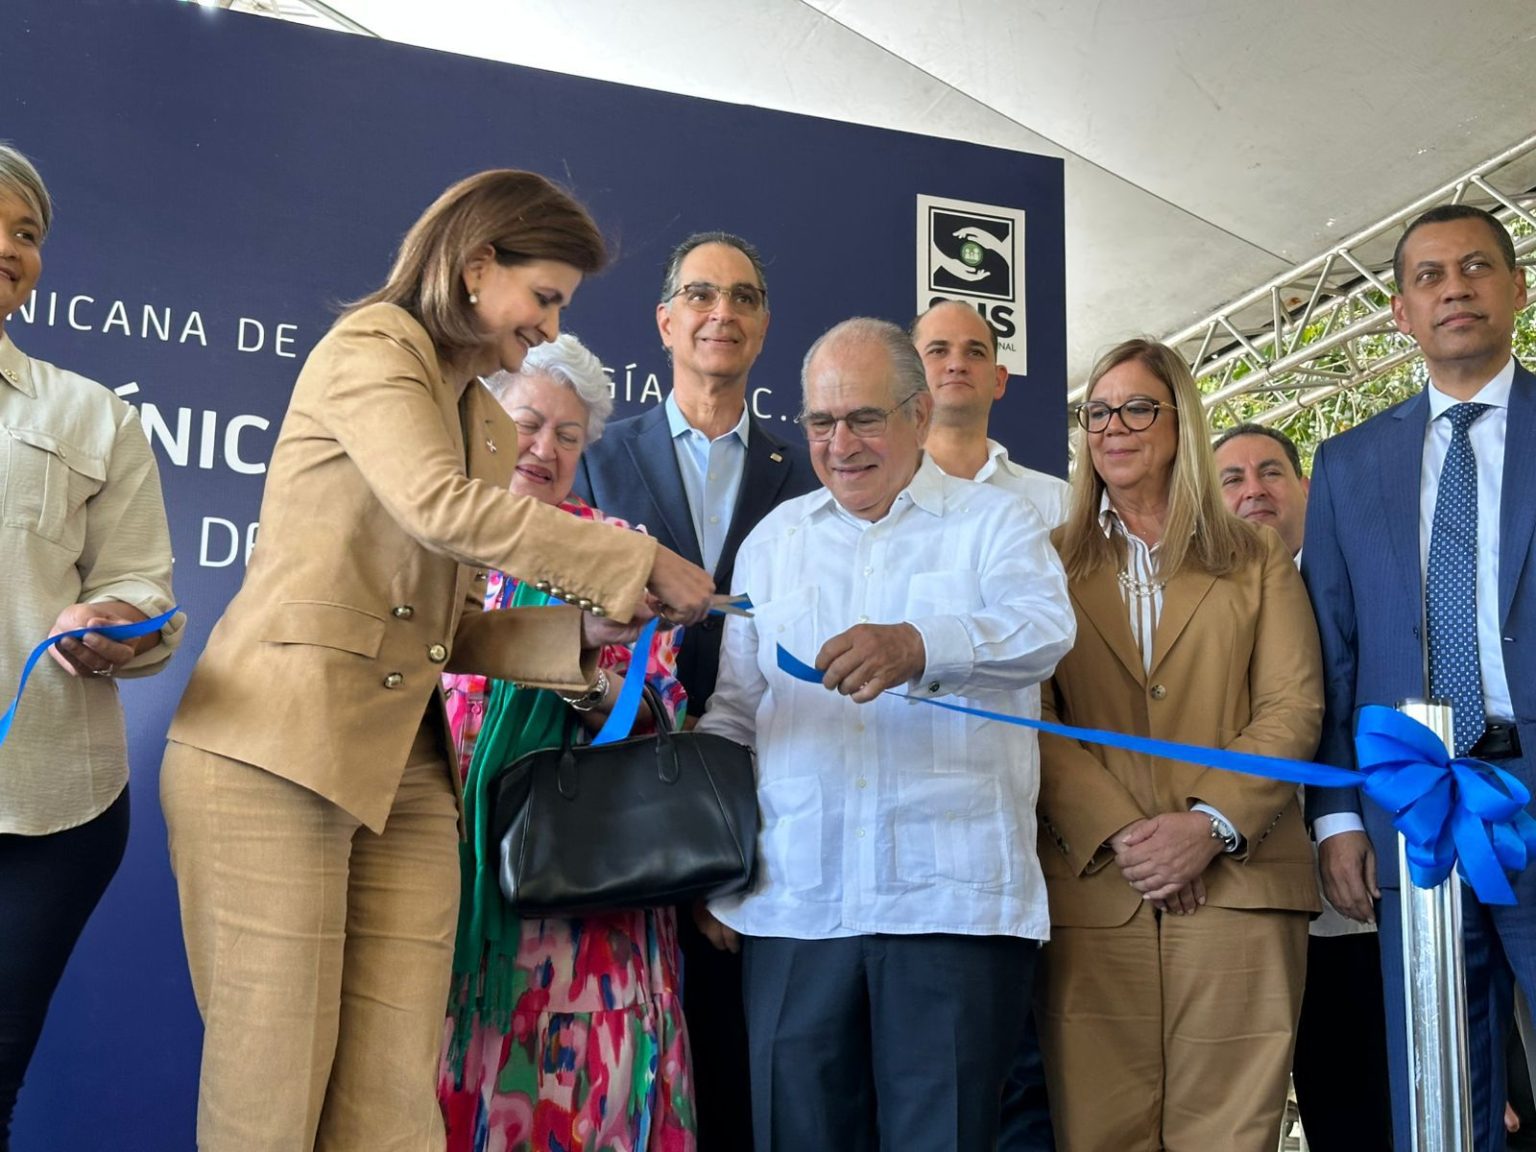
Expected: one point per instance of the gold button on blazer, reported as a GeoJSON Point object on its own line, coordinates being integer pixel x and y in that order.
{"type": "Point", "coordinates": [385, 493]}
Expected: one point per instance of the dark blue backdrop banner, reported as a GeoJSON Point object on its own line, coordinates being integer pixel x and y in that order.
{"type": "Point", "coordinates": [224, 181]}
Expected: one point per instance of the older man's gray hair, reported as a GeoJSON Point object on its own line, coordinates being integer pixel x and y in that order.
{"type": "Point", "coordinates": [565, 360]}
{"type": "Point", "coordinates": [907, 375]}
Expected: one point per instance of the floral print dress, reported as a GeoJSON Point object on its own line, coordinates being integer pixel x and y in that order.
{"type": "Point", "coordinates": [595, 1057]}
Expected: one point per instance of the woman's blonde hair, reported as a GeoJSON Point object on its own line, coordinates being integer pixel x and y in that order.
{"type": "Point", "coordinates": [520, 215]}
{"type": "Point", "coordinates": [1199, 530]}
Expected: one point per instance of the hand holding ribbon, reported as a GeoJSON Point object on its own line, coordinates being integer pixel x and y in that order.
{"type": "Point", "coordinates": [111, 631]}
{"type": "Point", "coordinates": [1448, 810]}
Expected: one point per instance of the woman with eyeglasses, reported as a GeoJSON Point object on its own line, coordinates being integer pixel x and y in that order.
{"type": "Point", "coordinates": [1179, 895]}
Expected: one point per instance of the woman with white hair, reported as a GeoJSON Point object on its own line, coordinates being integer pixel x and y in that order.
{"type": "Point", "coordinates": [562, 1032]}
{"type": "Point", "coordinates": [83, 532]}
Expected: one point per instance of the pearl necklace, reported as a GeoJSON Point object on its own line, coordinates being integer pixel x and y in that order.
{"type": "Point", "coordinates": [1143, 589]}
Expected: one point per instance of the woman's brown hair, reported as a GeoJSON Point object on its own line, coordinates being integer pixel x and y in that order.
{"type": "Point", "coordinates": [520, 215]}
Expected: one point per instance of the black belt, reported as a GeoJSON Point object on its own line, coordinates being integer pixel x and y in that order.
{"type": "Point", "coordinates": [1500, 741]}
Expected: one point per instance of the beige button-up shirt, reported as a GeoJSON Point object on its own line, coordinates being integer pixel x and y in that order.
{"type": "Point", "coordinates": [81, 520]}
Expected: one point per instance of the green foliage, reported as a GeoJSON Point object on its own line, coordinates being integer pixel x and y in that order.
{"type": "Point", "coordinates": [1313, 421]}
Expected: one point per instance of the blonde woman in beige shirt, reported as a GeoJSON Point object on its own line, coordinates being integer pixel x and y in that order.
{"type": "Point", "coordinates": [85, 541]}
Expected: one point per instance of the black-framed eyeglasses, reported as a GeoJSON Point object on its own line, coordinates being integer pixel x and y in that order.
{"type": "Point", "coordinates": [702, 296]}
{"type": "Point", "coordinates": [865, 423]}
{"type": "Point", "coordinates": [1137, 415]}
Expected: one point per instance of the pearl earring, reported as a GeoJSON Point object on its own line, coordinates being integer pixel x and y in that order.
{"type": "Point", "coordinates": [474, 297]}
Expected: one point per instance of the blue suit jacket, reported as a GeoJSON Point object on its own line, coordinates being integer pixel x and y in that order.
{"type": "Point", "coordinates": [632, 473]}
{"type": "Point", "coordinates": [1362, 568]}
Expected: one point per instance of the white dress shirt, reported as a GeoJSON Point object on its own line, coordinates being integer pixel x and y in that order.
{"type": "Point", "coordinates": [712, 472]}
{"type": "Point", "coordinates": [1330, 922]}
{"type": "Point", "coordinates": [892, 816]}
{"type": "Point", "coordinates": [1047, 494]}
{"type": "Point", "coordinates": [1487, 438]}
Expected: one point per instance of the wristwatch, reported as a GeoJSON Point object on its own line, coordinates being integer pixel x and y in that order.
{"type": "Point", "coordinates": [1221, 830]}
{"type": "Point", "coordinates": [594, 695]}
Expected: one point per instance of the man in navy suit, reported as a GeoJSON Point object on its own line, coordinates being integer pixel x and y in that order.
{"type": "Point", "coordinates": [1370, 523]}
{"type": "Point", "coordinates": [699, 472]}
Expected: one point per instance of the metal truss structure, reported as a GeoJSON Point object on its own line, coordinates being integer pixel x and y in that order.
{"type": "Point", "coordinates": [312, 12]}
{"type": "Point", "coordinates": [1310, 337]}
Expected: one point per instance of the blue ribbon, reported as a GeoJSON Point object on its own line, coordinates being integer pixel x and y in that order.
{"type": "Point", "coordinates": [627, 706]}
{"type": "Point", "coordinates": [110, 631]}
{"type": "Point", "coordinates": [1448, 810]}
{"type": "Point", "coordinates": [621, 720]}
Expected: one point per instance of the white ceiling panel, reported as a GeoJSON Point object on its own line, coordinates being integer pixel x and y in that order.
{"type": "Point", "coordinates": [1208, 146]}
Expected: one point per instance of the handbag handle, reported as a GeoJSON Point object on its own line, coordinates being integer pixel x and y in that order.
{"type": "Point", "coordinates": [668, 766]}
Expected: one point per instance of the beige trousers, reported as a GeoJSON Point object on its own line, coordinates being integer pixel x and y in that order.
{"type": "Point", "coordinates": [320, 954]}
{"type": "Point", "coordinates": [1172, 1033]}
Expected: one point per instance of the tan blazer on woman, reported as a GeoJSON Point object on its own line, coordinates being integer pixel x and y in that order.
{"type": "Point", "coordinates": [1235, 665]}
{"type": "Point", "coordinates": [386, 500]}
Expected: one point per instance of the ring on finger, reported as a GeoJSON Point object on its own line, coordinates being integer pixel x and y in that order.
{"type": "Point", "coordinates": [107, 671]}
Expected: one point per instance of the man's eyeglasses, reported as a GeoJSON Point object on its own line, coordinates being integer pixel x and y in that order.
{"type": "Point", "coordinates": [865, 423]}
{"type": "Point", "coordinates": [1136, 415]}
{"type": "Point", "coordinates": [702, 296]}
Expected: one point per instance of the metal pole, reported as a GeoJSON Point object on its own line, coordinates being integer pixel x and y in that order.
{"type": "Point", "coordinates": [1435, 990]}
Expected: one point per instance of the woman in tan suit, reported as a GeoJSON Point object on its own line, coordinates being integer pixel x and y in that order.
{"type": "Point", "coordinates": [307, 784]}
{"type": "Point", "coordinates": [1179, 895]}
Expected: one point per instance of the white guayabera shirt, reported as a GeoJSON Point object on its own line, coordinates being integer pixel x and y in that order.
{"type": "Point", "coordinates": [892, 816]}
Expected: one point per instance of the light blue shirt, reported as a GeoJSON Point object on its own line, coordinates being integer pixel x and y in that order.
{"type": "Point", "coordinates": [711, 471]}
{"type": "Point", "coordinates": [1487, 437]}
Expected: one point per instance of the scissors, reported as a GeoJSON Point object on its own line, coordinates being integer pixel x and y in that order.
{"type": "Point", "coordinates": [731, 606]}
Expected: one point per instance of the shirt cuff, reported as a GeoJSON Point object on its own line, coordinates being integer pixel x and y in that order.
{"type": "Point", "coordinates": [1216, 812]}
{"type": "Point", "coordinates": [948, 656]}
{"type": "Point", "coordinates": [1336, 822]}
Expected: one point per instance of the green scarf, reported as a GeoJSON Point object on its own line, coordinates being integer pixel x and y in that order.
{"type": "Point", "coordinates": [517, 721]}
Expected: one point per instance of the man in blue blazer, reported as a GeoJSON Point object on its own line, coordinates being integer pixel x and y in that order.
{"type": "Point", "coordinates": [700, 471]}
{"type": "Point", "coordinates": [1369, 528]}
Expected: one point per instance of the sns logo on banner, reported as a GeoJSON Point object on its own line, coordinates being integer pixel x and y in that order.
{"type": "Point", "coordinates": [975, 253]}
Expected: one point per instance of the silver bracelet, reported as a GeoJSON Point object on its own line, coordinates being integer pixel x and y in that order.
{"type": "Point", "coordinates": [593, 696]}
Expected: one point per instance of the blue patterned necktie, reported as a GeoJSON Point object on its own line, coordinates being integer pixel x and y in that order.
{"type": "Point", "coordinates": [1450, 587]}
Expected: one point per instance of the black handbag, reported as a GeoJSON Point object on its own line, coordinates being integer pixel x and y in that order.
{"type": "Point", "coordinates": [660, 819]}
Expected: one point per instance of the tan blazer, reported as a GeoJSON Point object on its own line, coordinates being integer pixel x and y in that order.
{"type": "Point", "coordinates": [386, 499]}
{"type": "Point", "coordinates": [1235, 665]}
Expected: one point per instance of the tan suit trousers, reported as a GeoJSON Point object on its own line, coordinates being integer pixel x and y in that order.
{"type": "Point", "coordinates": [320, 953]}
{"type": "Point", "coordinates": [1172, 1032]}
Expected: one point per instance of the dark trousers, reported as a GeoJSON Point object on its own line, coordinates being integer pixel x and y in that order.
{"type": "Point", "coordinates": [1500, 948]}
{"type": "Point", "coordinates": [883, 1041]}
{"type": "Point", "coordinates": [717, 1040]}
{"type": "Point", "coordinates": [1520, 1096]}
{"type": "Point", "coordinates": [1340, 1066]}
{"type": "Point", "coordinates": [49, 886]}
{"type": "Point", "coordinates": [1026, 1120]}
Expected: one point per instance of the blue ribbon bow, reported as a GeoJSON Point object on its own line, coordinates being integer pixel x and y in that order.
{"type": "Point", "coordinates": [1448, 810]}
{"type": "Point", "coordinates": [111, 631]}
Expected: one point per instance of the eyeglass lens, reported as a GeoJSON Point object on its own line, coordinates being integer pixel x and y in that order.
{"type": "Point", "coordinates": [1137, 415]}
{"type": "Point", "coordinates": [702, 296]}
